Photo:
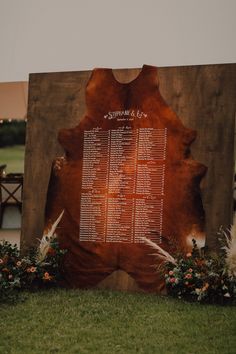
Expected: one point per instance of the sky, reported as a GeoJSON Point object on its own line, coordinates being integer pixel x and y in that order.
{"type": "Point", "coordinates": [68, 35]}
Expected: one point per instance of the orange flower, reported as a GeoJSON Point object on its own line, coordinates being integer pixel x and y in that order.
{"type": "Point", "coordinates": [5, 259]}
{"type": "Point", "coordinates": [18, 263]}
{"type": "Point", "coordinates": [205, 287]}
{"type": "Point", "coordinates": [200, 262]}
{"type": "Point", "coordinates": [51, 251]}
{"type": "Point", "coordinates": [33, 269]}
{"type": "Point", "coordinates": [189, 254]}
{"type": "Point", "coordinates": [47, 276]}
{"type": "Point", "coordinates": [5, 270]}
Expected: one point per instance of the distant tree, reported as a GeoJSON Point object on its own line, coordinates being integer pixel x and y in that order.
{"type": "Point", "coordinates": [12, 133]}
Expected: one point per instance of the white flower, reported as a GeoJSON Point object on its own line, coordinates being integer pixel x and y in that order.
{"type": "Point", "coordinates": [227, 295]}
{"type": "Point", "coordinates": [197, 291]}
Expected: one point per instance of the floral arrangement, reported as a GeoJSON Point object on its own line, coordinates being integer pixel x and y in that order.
{"type": "Point", "coordinates": [201, 276]}
{"type": "Point", "coordinates": [41, 267]}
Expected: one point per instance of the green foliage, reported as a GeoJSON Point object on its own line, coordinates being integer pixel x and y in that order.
{"type": "Point", "coordinates": [9, 271]}
{"type": "Point", "coordinates": [18, 273]}
{"type": "Point", "coordinates": [12, 133]}
{"type": "Point", "coordinates": [200, 277]}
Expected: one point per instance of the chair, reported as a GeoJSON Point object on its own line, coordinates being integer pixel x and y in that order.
{"type": "Point", "coordinates": [11, 189]}
{"type": "Point", "coordinates": [2, 169]}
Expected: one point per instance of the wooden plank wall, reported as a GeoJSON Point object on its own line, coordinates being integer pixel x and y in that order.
{"type": "Point", "coordinates": [204, 97]}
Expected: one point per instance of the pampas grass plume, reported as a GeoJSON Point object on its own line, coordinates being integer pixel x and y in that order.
{"type": "Point", "coordinates": [47, 239]}
{"type": "Point", "coordinates": [160, 252]}
{"type": "Point", "coordinates": [230, 249]}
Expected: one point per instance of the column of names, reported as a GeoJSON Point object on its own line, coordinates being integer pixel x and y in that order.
{"type": "Point", "coordinates": [123, 184]}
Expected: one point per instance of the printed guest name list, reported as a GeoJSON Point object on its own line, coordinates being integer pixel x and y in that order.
{"type": "Point", "coordinates": [123, 180]}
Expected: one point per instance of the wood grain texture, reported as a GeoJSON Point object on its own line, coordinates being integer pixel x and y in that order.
{"type": "Point", "coordinates": [202, 96]}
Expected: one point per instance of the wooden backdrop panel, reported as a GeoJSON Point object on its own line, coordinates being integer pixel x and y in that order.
{"type": "Point", "coordinates": [204, 97]}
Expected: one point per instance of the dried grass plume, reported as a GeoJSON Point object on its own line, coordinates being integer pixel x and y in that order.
{"type": "Point", "coordinates": [47, 239]}
{"type": "Point", "coordinates": [230, 249]}
{"type": "Point", "coordinates": [160, 253]}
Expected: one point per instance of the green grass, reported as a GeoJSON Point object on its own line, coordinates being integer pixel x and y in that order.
{"type": "Point", "coordinates": [14, 158]}
{"type": "Point", "coordinates": [73, 321]}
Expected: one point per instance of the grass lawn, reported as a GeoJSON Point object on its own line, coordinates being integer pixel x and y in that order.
{"type": "Point", "coordinates": [13, 156]}
{"type": "Point", "coordinates": [75, 321]}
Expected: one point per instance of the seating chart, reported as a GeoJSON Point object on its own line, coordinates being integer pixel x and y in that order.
{"type": "Point", "coordinates": [123, 184]}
